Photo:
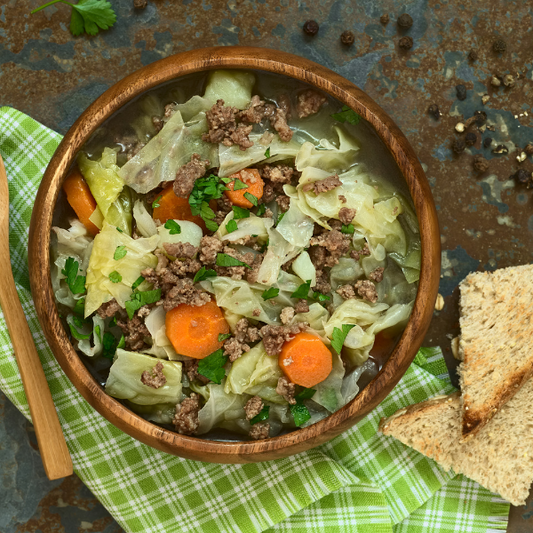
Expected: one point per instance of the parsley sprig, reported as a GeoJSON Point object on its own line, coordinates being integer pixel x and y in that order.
{"type": "Point", "coordinates": [262, 416]}
{"type": "Point", "coordinates": [75, 282]}
{"type": "Point", "coordinates": [89, 16]}
{"type": "Point", "coordinates": [339, 336]}
{"type": "Point", "coordinates": [212, 366]}
{"type": "Point", "coordinates": [347, 115]}
{"type": "Point", "coordinates": [299, 411]}
{"type": "Point", "coordinates": [206, 189]}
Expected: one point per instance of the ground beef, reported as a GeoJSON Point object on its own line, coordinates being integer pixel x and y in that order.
{"type": "Point", "coordinates": [190, 367]}
{"type": "Point", "coordinates": [318, 256]}
{"type": "Point", "coordinates": [134, 331]}
{"type": "Point", "coordinates": [342, 198]}
{"type": "Point", "coordinates": [286, 389]}
{"type": "Point", "coordinates": [209, 248]}
{"type": "Point", "coordinates": [275, 336]}
{"type": "Point", "coordinates": [322, 283]}
{"type": "Point", "coordinates": [246, 333]}
{"type": "Point", "coordinates": [253, 273]}
{"type": "Point", "coordinates": [235, 272]}
{"type": "Point", "coordinates": [257, 111]}
{"type": "Point", "coordinates": [260, 431]}
{"type": "Point", "coordinates": [336, 244]}
{"type": "Point", "coordinates": [377, 275]}
{"type": "Point", "coordinates": [302, 306]}
{"type": "Point", "coordinates": [180, 249]}
{"type": "Point", "coordinates": [346, 215]}
{"type": "Point", "coordinates": [284, 202]}
{"type": "Point", "coordinates": [280, 174]}
{"type": "Point", "coordinates": [309, 102]}
{"type": "Point", "coordinates": [256, 312]}
{"type": "Point", "coordinates": [184, 292]}
{"type": "Point", "coordinates": [155, 377]}
{"type": "Point", "coordinates": [279, 123]}
{"type": "Point", "coordinates": [366, 290]}
{"type": "Point", "coordinates": [166, 277]}
{"type": "Point", "coordinates": [188, 174]}
{"type": "Point", "coordinates": [253, 407]}
{"type": "Point", "coordinates": [224, 129]}
{"type": "Point", "coordinates": [186, 417]}
{"type": "Point", "coordinates": [109, 309]}
{"type": "Point", "coordinates": [346, 291]}
{"type": "Point", "coordinates": [325, 185]}
{"type": "Point", "coordinates": [286, 315]}
{"type": "Point", "coordinates": [356, 254]}
{"type": "Point", "coordinates": [145, 310]}
{"type": "Point", "coordinates": [235, 348]}
{"type": "Point", "coordinates": [162, 261]}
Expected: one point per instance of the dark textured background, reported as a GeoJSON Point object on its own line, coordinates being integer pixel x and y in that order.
{"type": "Point", "coordinates": [486, 219]}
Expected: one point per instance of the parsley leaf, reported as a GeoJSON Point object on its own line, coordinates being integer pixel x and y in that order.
{"type": "Point", "coordinates": [98, 332]}
{"type": "Point", "coordinates": [87, 16]}
{"type": "Point", "coordinates": [267, 153]}
{"type": "Point", "coordinates": [347, 115]}
{"type": "Point", "coordinates": [137, 282]}
{"type": "Point", "coordinates": [302, 291]}
{"type": "Point", "coordinates": [306, 394]}
{"type": "Point", "coordinates": [204, 273]}
{"type": "Point", "coordinates": [223, 336]}
{"type": "Point", "coordinates": [205, 189]}
{"type": "Point", "coordinates": [156, 203]}
{"type": "Point", "coordinates": [340, 336]}
{"type": "Point", "coordinates": [76, 283]}
{"type": "Point", "coordinates": [280, 218]}
{"type": "Point", "coordinates": [79, 308]}
{"type": "Point", "coordinates": [347, 228]}
{"type": "Point", "coordinates": [319, 297]}
{"type": "Point", "coordinates": [231, 226]}
{"type": "Point", "coordinates": [225, 260]}
{"type": "Point", "coordinates": [140, 298]}
{"type": "Point", "coordinates": [238, 185]}
{"type": "Point", "coordinates": [270, 293]}
{"type": "Point", "coordinates": [239, 212]}
{"type": "Point", "coordinates": [251, 198]}
{"type": "Point", "coordinates": [115, 277]}
{"type": "Point", "coordinates": [110, 345]}
{"type": "Point", "coordinates": [261, 210]}
{"type": "Point", "coordinates": [212, 366]}
{"type": "Point", "coordinates": [173, 227]}
{"type": "Point", "coordinates": [113, 322]}
{"type": "Point", "coordinates": [120, 252]}
{"type": "Point", "coordinates": [119, 230]}
{"type": "Point", "coordinates": [300, 413]}
{"type": "Point", "coordinates": [211, 225]}
{"type": "Point", "coordinates": [121, 343]}
{"type": "Point", "coordinates": [260, 417]}
{"type": "Point", "coordinates": [77, 334]}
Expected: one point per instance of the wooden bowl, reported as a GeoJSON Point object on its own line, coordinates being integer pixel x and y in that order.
{"type": "Point", "coordinates": [39, 255]}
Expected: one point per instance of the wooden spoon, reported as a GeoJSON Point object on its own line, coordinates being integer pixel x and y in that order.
{"type": "Point", "coordinates": [54, 452]}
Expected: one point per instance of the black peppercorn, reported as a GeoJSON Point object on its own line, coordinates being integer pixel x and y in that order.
{"type": "Point", "coordinates": [481, 117]}
{"type": "Point", "coordinates": [347, 38]}
{"type": "Point", "coordinates": [406, 43]}
{"type": "Point", "coordinates": [458, 146]}
{"type": "Point", "coordinates": [499, 46]}
{"type": "Point", "coordinates": [460, 90]}
{"type": "Point", "coordinates": [473, 56]}
{"type": "Point", "coordinates": [384, 19]}
{"type": "Point", "coordinates": [529, 149]}
{"type": "Point", "coordinates": [470, 138]}
{"type": "Point", "coordinates": [311, 27]}
{"type": "Point", "coordinates": [434, 110]}
{"type": "Point", "coordinates": [405, 21]}
{"type": "Point", "coordinates": [522, 175]}
{"type": "Point", "coordinates": [480, 163]}
{"type": "Point", "coordinates": [487, 142]}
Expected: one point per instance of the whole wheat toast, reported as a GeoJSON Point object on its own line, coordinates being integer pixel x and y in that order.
{"type": "Point", "coordinates": [496, 341]}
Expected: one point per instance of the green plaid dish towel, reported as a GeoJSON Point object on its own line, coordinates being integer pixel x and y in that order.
{"type": "Point", "coordinates": [359, 482]}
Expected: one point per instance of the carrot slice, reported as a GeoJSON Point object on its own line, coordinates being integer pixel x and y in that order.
{"type": "Point", "coordinates": [305, 360]}
{"type": "Point", "coordinates": [251, 178]}
{"type": "Point", "coordinates": [176, 208]}
{"type": "Point", "coordinates": [80, 198]}
{"type": "Point", "coordinates": [194, 330]}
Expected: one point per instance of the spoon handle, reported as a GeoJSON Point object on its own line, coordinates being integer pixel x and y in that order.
{"type": "Point", "coordinates": [54, 452]}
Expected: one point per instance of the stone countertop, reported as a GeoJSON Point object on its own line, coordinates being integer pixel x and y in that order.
{"type": "Point", "coordinates": [486, 218]}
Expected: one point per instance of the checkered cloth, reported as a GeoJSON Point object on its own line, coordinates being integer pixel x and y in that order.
{"type": "Point", "coordinates": [359, 482]}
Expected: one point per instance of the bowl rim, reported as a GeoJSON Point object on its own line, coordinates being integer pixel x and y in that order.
{"type": "Point", "coordinates": [173, 67]}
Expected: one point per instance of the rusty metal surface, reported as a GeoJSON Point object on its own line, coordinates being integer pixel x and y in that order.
{"type": "Point", "coordinates": [486, 218]}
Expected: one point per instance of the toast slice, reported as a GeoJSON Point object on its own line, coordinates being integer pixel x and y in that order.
{"type": "Point", "coordinates": [496, 341]}
{"type": "Point", "coordinates": [500, 457]}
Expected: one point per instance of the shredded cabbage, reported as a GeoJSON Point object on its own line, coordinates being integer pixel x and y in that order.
{"type": "Point", "coordinates": [232, 86]}
{"type": "Point", "coordinates": [190, 232]}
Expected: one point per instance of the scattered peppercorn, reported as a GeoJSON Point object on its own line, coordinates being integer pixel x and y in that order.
{"type": "Point", "coordinates": [470, 138]}
{"type": "Point", "coordinates": [480, 163]}
{"type": "Point", "coordinates": [529, 149]}
{"type": "Point", "coordinates": [508, 80]}
{"type": "Point", "coordinates": [458, 146]}
{"type": "Point", "coordinates": [405, 21]}
{"type": "Point", "coordinates": [434, 110]}
{"type": "Point", "coordinates": [140, 4]}
{"type": "Point", "coordinates": [500, 149]}
{"type": "Point", "coordinates": [487, 141]}
{"type": "Point", "coordinates": [481, 117]}
{"type": "Point", "coordinates": [460, 90]}
{"type": "Point", "coordinates": [311, 27]}
{"type": "Point", "coordinates": [499, 46]}
{"type": "Point", "coordinates": [406, 43]}
{"type": "Point", "coordinates": [522, 175]}
{"type": "Point", "coordinates": [384, 19]}
{"type": "Point", "coordinates": [473, 56]}
{"type": "Point", "coordinates": [347, 38]}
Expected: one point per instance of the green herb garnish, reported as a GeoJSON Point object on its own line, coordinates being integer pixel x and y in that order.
{"type": "Point", "coordinates": [262, 416]}
{"type": "Point", "coordinates": [223, 336]}
{"type": "Point", "coordinates": [173, 227]}
{"type": "Point", "coordinates": [267, 153]}
{"type": "Point", "coordinates": [110, 345]}
{"type": "Point", "coordinates": [300, 413]}
{"type": "Point", "coordinates": [251, 198]}
{"type": "Point", "coordinates": [121, 343]}
{"type": "Point", "coordinates": [204, 273]}
{"type": "Point", "coordinates": [319, 297]}
{"type": "Point", "coordinates": [231, 226]}
{"type": "Point", "coordinates": [156, 203]}
{"type": "Point", "coordinates": [212, 366]}
{"type": "Point", "coordinates": [205, 189]}
{"type": "Point", "coordinates": [140, 298]}
{"type": "Point", "coordinates": [280, 218]}
{"type": "Point", "coordinates": [239, 212]}
{"type": "Point", "coordinates": [347, 228]}
{"type": "Point", "coordinates": [98, 332]}
{"type": "Point", "coordinates": [79, 308]}
{"type": "Point", "coordinates": [77, 334]}
{"type": "Point", "coordinates": [347, 115]}
{"type": "Point", "coordinates": [339, 336]}
{"type": "Point", "coordinates": [225, 260]}
{"type": "Point", "coordinates": [238, 185]}
{"type": "Point", "coordinates": [120, 252]}
{"type": "Point", "coordinates": [261, 210]}
{"type": "Point", "coordinates": [137, 282]}
{"type": "Point", "coordinates": [270, 293]}
{"type": "Point", "coordinates": [115, 277]}
{"type": "Point", "coordinates": [120, 230]}
{"type": "Point", "coordinates": [305, 394]}
{"type": "Point", "coordinates": [76, 283]}
{"type": "Point", "coordinates": [302, 291]}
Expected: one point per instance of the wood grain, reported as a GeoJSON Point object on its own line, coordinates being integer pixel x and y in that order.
{"type": "Point", "coordinates": [54, 452]}
{"type": "Point", "coordinates": [300, 69]}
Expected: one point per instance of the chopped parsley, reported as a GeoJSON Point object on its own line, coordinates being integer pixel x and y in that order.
{"type": "Point", "coordinates": [262, 416]}
{"type": "Point", "coordinates": [120, 252]}
{"type": "Point", "coordinates": [261, 210]}
{"type": "Point", "coordinates": [203, 274]}
{"type": "Point", "coordinates": [120, 230]}
{"type": "Point", "coordinates": [140, 298]}
{"type": "Point", "coordinates": [251, 198]}
{"type": "Point", "coordinates": [347, 115]}
{"type": "Point", "coordinates": [206, 189]}
{"type": "Point", "coordinates": [347, 228]}
{"type": "Point", "coordinates": [231, 226]}
{"type": "Point", "coordinates": [115, 277]}
{"type": "Point", "coordinates": [302, 291]}
{"type": "Point", "coordinates": [225, 260]}
{"type": "Point", "coordinates": [78, 322]}
{"type": "Point", "coordinates": [319, 297]}
{"type": "Point", "coordinates": [238, 185]}
{"type": "Point", "coordinates": [212, 366]}
{"type": "Point", "coordinates": [98, 332]}
{"type": "Point", "coordinates": [267, 153]}
{"type": "Point", "coordinates": [109, 345]}
{"type": "Point", "coordinates": [156, 203]}
{"type": "Point", "coordinates": [121, 343]}
{"type": "Point", "coordinates": [137, 282]}
{"type": "Point", "coordinates": [239, 212]}
{"type": "Point", "coordinates": [79, 308]}
{"type": "Point", "coordinates": [270, 293]}
{"type": "Point", "coordinates": [223, 336]}
{"type": "Point", "coordinates": [75, 283]}
{"type": "Point", "coordinates": [300, 413]}
{"type": "Point", "coordinates": [339, 336]}
{"type": "Point", "coordinates": [173, 227]}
